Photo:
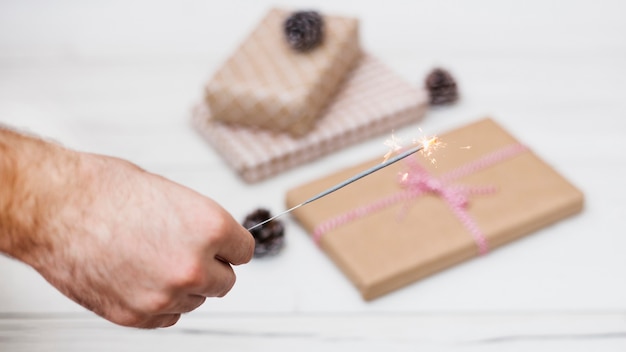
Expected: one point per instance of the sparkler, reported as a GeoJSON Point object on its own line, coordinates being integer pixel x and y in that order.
{"type": "Point", "coordinates": [424, 145]}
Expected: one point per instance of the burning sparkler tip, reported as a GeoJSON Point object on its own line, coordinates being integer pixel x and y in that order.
{"type": "Point", "coordinates": [430, 143]}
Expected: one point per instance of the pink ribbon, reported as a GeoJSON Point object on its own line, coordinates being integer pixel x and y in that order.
{"type": "Point", "coordinates": [418, 181]}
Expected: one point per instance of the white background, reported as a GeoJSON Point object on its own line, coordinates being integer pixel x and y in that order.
{"type": "Point", "coordinates": [120, 78]}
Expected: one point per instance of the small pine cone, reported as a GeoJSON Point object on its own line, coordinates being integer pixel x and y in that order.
{"type": "Point", "coordinates": [304, 30]}
{"type": "Point", "coordinates": [269, 238]}
{"type": "Point", "coordinates": [441, 87]}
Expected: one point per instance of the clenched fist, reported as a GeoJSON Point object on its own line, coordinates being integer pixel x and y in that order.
{"type": "Point", "coordinates": [131, 246]}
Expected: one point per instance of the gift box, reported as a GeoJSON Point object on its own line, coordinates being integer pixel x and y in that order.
{"type": "Point", "coordinates": [373, 100]}
{"type": "Point", "coordinates": [268, 84]}
{"type": "Point", "coordinates": [414, 218]}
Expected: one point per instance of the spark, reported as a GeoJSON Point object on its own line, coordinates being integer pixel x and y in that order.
{"type": "Point", "coordinates": [394, 144]}
{"type": "Point", "coordinates": [431, 144]}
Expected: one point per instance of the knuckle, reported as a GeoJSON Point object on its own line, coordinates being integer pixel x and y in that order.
{"type": "Point", "coordinates": [188, 275]}
{"type": "Point", "coordinates": [158, 303]}
{"type": "Point", "coordinates": [219, 227]}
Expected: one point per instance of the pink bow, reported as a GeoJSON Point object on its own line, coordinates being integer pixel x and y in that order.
{"type": "Point", "coordinates": [418, 181]}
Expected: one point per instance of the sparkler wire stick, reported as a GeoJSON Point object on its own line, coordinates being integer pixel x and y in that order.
{"type": "Point", "coordinates": [346, 182]}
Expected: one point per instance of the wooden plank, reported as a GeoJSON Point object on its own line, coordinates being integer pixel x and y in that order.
{"type": "Point", "coordinates": [327, 332]}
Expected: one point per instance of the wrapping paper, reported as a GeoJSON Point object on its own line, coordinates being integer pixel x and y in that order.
{"type": "Point", "coordinates": [372, 101]}
{"type": "Point", "coordinates": [267, 84]}
{"type": "Point", "coordinates": [485, 190]}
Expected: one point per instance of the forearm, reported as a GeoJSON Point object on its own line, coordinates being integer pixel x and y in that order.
{"type": "Point", "coordinates": [33, 185]}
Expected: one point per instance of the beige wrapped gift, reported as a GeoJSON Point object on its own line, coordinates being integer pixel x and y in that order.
{"type": "Point", "coordinates": [267, 84]}
{"type": "Point", "coordinates": [415, 218]}
{"type": "Point", "coordinates": [372, 101]}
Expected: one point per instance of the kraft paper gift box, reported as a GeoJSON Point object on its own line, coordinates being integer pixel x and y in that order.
{"type": "Point", "coordinates": [415, 218]}
{"type": "Point", "coordinates": [267, 84]}
{"type": "Point", "coordinates": [373, 100]}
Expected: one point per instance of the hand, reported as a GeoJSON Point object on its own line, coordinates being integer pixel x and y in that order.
{"type": "Point", "coordinates": [131, 246]}
{"type": "Point", "coordinates": [138, 249]}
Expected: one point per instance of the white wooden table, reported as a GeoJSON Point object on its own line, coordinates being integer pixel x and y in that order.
{"type": "Point", "coordinates": [119, 78]}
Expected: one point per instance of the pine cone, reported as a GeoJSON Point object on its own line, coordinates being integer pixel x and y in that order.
{"type": "Point", "coordinates": [304, 30]}
{"type": "Point", "coordinates": [441, 87]}
{"type": "Point", "coordinates": [269, 238]}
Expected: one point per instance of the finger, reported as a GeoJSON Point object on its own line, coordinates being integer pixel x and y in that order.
{"type": "Point", "coordinates": [131, 318]}
{"type": "Point", "coordinates": [238, 245]}
{"type": "Point", "coordinates": [220, 279]}
{"type": "Point", "coordinates": [160, 321]}
{"type": "Point", "coordinates": [186, 304]}
{"type": "Point", "coordinates": [169, 320]}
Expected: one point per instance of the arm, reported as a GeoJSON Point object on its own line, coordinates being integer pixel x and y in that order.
{"type": "Point", "coordinates": [131, 246]}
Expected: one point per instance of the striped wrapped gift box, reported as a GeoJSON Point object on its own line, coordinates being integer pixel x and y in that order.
{"type": "Point", "coordinates": [372, 101]}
